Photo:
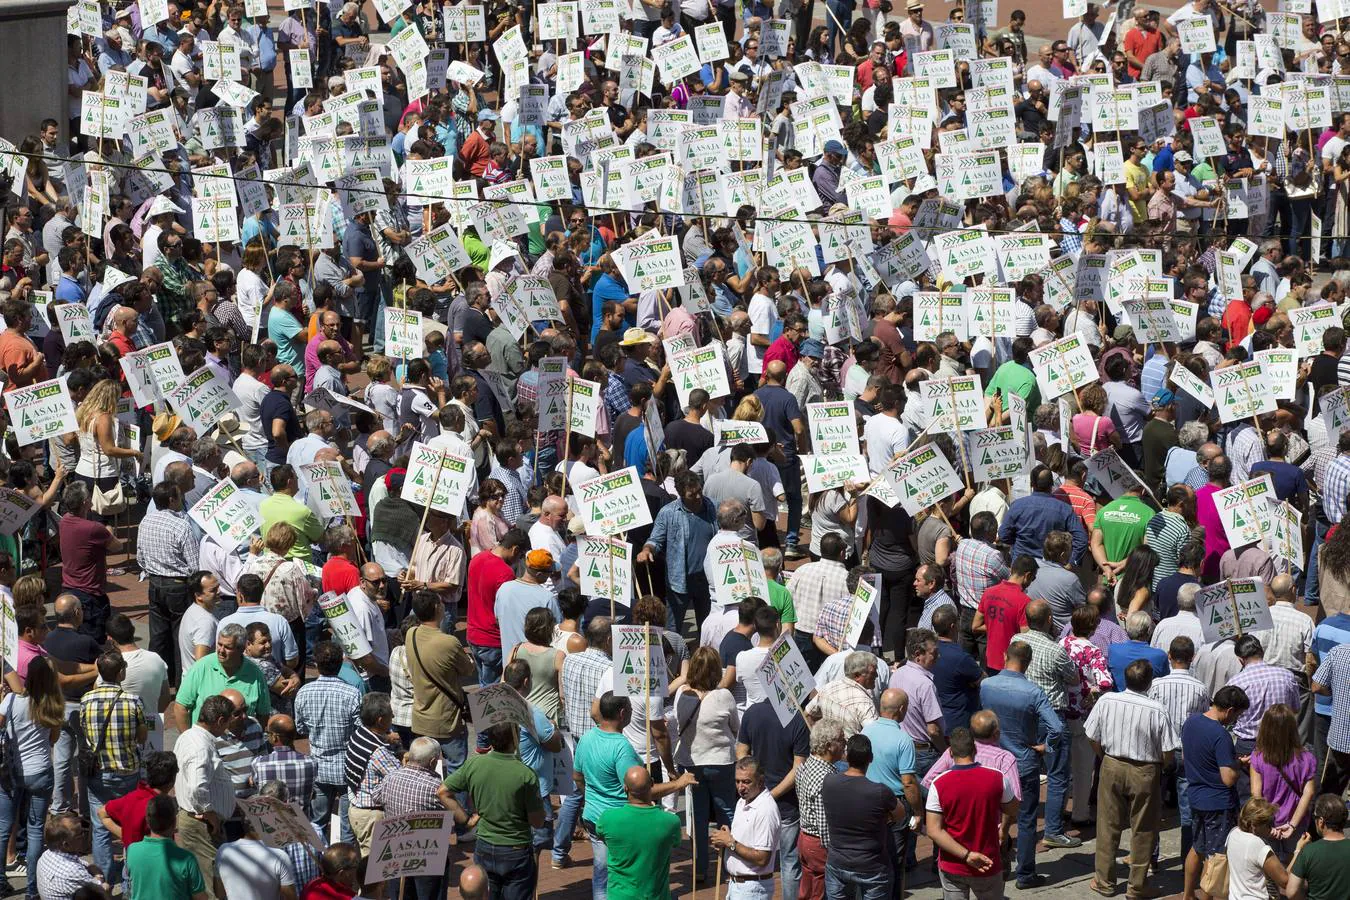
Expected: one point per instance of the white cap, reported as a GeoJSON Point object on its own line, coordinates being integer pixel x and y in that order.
{"type": "Point", "coordinates": [501, 252]}
{"type": "Point", "coordinates": [161, 206]}
{"type": "Point", "coordinates": [113, 278]}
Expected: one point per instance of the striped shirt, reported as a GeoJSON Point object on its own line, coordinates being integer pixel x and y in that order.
{"type": "Point", "coordinates": [237, 759]}
{"type": "Point", "coordinates": [814, 585]}
{"type": "Point", "coordinates": [1288, 644]}
{"type": "Point", "coordinates": [1244, 450]}
{"type": "Point", "coordinates": [1335, 488]}
{"type": "Point", "coordinates": [1166, 533]}
{"type": "Point", "coordinates": [370, 793]}
{"type": "Point", "coordinates": [1181, 694]}
{"type": "Point", "coordinates": [846, 701]}
{"type": "Point", "coordinates": [932, 604]}
{"type": "Point", "coordinates": [360, 747]}
{"type": "Point", "coordinates": [203, 784]}
{"type": "Point", "coordinates": [1129, 725]}
{"type": "Point", "coordinates": [1329, 634]}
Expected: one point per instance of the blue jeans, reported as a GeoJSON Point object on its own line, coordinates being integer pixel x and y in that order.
{"type": "Point", "coordinates": [843, 11]}
{"type": "Point", "coordinates": [104, 787]}
{"type": "Point", "coordinates": [789, 861]}
{"type": "Point", "coordinates": [1026, 824]}
{"type": "Point", "coordinates": [791, 473]}
{"type": "Point", "coordinates": [842, 884]}
{"type": "Point", "coordinates": [1057, 781]}
{"type": "Point", "coordinates": [1312, 593]}
{"type": "Point", "coordinates": [36, 792]}
{"type": "Point", "coordinates": [568, 813]}
{"type": "Point", "coordinates": [488, 661]}
{"type": "Point", "coordinates": [448, 618]}
{"type": "Point", "coordinates": [63, 763]}
{"type": "Point", "coordinates": [599, 863]}
{"type": "Point", "coordinates": [716, 786]}
{"type": "Point", "coordinates": [328, 799]}
{"type": "Point", "coordinates": [511, 872]}
{"type": "Point", "coordinates": [1183, 804]}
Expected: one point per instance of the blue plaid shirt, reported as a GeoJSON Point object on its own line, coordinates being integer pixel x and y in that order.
{"type": "Point", "coordinates": [616, 397]}
{"type": "Point", "coordinates": [326, 710]}
{"type": "Point", "coordinates": [1070, 241]}
{"type": "Point", "coordinates": [1335, 488]}
{"type": "Point", "coordinates": [683, 537]}
{"type": "Point", "coordinates": [517, 501]}
{"type": "Point", "coordinates": [293, 769]}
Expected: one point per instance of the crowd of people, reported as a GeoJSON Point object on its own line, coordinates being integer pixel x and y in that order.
{"type": "Point", "coordinates": [384, 234]}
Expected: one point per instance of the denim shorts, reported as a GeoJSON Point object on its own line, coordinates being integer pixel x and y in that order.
{"type": "Point", "coordinates": [1209, 830]}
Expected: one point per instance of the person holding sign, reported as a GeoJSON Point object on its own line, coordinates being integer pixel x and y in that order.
{"type": "Point", "coordinates": [752, 839]}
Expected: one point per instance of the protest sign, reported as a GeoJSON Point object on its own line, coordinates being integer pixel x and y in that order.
{"type": "Point", "coordinates": [1111, 473]}
{"type": "Point", "coordinates": [612, 503]}
{"type": "Point", "coordinates": [202, 399]}
{"type": "Point", "coordinates": [279, 823]}
{"type": "Point", "coordinates": [999, 452]}
{"type": "Point", "coordinates": [498, 704]}
{"type": "Point", "coordinates": [227, 514]}
{"type": "Point", "coordinates": [865, 606]}
{"type": "Point", "coordinates": [75, 322]}
{"type": "Point", "coordinates": [583, 399]}
{"type": "Point", "coordinates": [1062, 366]}
{"type": "Point", "coordinates": [639, 662]}
{"type": "Point", "coordinates": [41, 411]}
{"type": "Point", "coordinates": [731, 432]}
{"type": "Point", "coordinates": [438, 478]}
{"type": "Point", "coordinates": [1286, 534]}
{"type": "Point", "coordinates": [786, 679]}
{"type": "Point", "coordinates": [330, 493]}
{"type": "Point", "coordinates": [1245, 510]}
{"type": "Point", "coordinates": [16, 508]}
{"type": "Point", "coordinates": [1309, 323]}
{"type": "Point", "coordinates": [737, 571]}
{"type": "Point", "coordinates": [343, 623]}
{"type": "Point", "coordinates": [828, 471]}
{"type": "Point", "coordinates": [1280, 368]}
{"type": "Point", "coordinates": [415, 844]}
{"type": "Point", "coordinates": [922, 477]}
{"type": "Point", "coordinates": [402, 333]}
{"type": "Point", "coordinates": [606, 567]}
{"type": "Point", "coordinates": [1187, 381]}
{"type": "Point", "coordinates": [1233, 608]}
{"type": "Point", "coordinates": [833, 427]}
{"type": "Point", "coordinates": [699, 367]}
{"type": "Point", "coordinates": [1241, 391]}
{"type": "Point", "coordinates": [954, 404]}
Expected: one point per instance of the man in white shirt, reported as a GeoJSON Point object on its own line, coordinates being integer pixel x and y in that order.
{"type": "Point", "coordinates": [763, 318]}
{"type": "Point", "coordinates": [752, 840]}
{"type": "Point", "coordinates": [249, 868]}
{"type": "Point", "coordinates": [363, 604]}
{"type": "Point", "coordinates": [884, 434]}
{"type": "Point", "coordinates": [203, 788]}
{"type": "Point", "coordinates": [544, 533]}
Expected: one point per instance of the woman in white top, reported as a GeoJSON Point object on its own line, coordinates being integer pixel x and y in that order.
{"type": "Point", "coordinates": [703, 724]}
{"type": "Point", "coordinates": [96, 427]}
{"type": "Point", "coordinates": [1250, 859]}
{"type": "Point", "coordinates": [250, 291]}
{"type": "Point", "coordinates": [32, 721]}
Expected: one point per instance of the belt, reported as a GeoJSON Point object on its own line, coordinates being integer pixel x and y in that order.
{"type": "Point", "coordinates": [743, 878]}
{"type": "Point", "coordinates": [181, 579]}
{"type": "Point", "coordinates": [507, 846]}
{"type": "Point", "coordinates": [1133, 762]}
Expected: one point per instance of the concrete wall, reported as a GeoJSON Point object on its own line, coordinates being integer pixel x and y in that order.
{"type": "Point", "coordinates": [32, 66]}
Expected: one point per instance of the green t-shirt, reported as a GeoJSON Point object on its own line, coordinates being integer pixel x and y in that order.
{"type": "Point", "coordinates": [504, 792]}
{"type": "Point", "coordinates": [1012, 377]}
{"type": "Point", "coordinates": [1123, 523]}
{"type": "Point", "coordinates": [160, 868]}
{"type": "Point", "coordinates": [206, 678]}
{"type": "Point", "coordinates": [602, 758]}
{"type": "Point", "coordinates": [1325, 868]}
{"type": "Point", "coordinates": [639, 840]}
{"type": "Point", "coordinates": [780, 598]}
{"type": "Point", "coordinates": [285, 508]}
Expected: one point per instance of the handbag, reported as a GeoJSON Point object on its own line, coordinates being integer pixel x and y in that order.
{"type": "Point", "coordinates": [108, 503]}
{"type": "Point", "coordinates": [9, 754]}
{"type": "Point", "coordinates": [1214, 877]}
{"type": "Point", "coordinates": [91, 761]}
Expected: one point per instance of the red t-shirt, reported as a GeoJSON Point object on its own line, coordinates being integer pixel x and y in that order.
{"type": "Point", "coordinates": [1004, 607]}
{"type": "Point", "coordinates": [970, 799]}
{"type": "Point", "coordinates": [340, 575]}
{"type": "Point", "coordinates": [84, 551]}
{"type": "Point", "coordinates": [782, 349]}
{"type": "Point", "coordinates": [487, 573]}
{"type": "Point", "coordinates": [128, 811]}
{"type": "Point", "coordinates": [1142, 44]}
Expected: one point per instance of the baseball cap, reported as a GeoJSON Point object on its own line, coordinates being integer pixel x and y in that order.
{"type": "Point", "coordinates": [1122, 333]}
{"type": "Point", "coordinates": [1181, 156]}
{"type": "Point", "coordinates": [539, 559]}
{"type": "Point", "coordinates": [1163, 398]}
{"type": "Point", "coordinates": [835, 147]}
{"type": "Point", "coordinates": [487, 115]}
{"type": "Point", "coordinates": [813, 348]}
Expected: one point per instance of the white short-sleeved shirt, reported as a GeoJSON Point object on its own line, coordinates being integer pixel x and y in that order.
{"type": "Point", "coordinates": [885, 436]}
{"type": "Point", "coordinates": [251, 392]}
{"type": "Point", "coordinates": [1246, 857]}
{"type": "Point", "coordinates": [370, 620]}
{"type": "Point", "coordinates": [250, 868]}
{"type": "Point", "coordinates": [755, 825]}
{"type": "Point", "coordinates": [748, 689]}
{"type": "Point", "coordinates": [197, 627]}
{"type": "Point", "coordinates": [763, 317]}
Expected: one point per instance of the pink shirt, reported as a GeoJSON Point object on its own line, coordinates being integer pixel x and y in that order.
{"type": "Point", "coordinates": [312, 357]}
{"type": "Point", "coordinates": [27, 652]}
{"type": "Point", "coordinates": [991, 756]}
{"type": "Point", "coordinates": [1083, 424]}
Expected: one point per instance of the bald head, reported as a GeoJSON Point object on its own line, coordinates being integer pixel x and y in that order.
{"type": "Point", "coordinates": [637, 782]}
{"type": "Point", "coordinates": [984, 726]}
{"type": "Point", "coordinates": [554, 505]}
{"type": "Point", "coordinates": [373, 572]}
{"type": "Point", "coordinates": [776, 371]}
{"type": "Point", "coordinates": [894, 703]}
{"type": "Point", "coordinates": [68, 610]}
{"type": "Point", "coordinates": [1281, 588]}
{"type": "Point", "coordinates": [281, 728]}
{"type": "Point", "coordinates": [1038, 615]}
{"type": "Point", "coordinates": [473, 883]}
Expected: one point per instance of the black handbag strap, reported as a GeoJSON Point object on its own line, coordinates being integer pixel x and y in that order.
{"type": "Point", "coordinates": [103, 732]}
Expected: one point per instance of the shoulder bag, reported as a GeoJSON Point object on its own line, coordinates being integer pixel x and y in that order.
{"type": "Point", "coordinates": [436, 682]}
{"type": "Point", "coordinates": [91, 761]}
{"type": "Point", "coordinates": [107, 503]}
{"type": "Point", "coordinates": [10, 767]}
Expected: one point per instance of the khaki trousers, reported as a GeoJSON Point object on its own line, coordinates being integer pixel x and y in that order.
{"type": "Point", "coordinates": [1129, 794]}
{"type": "Point", "coordinates": [195, 837]}
{"type": "Point", "coordinates": [363, 825]}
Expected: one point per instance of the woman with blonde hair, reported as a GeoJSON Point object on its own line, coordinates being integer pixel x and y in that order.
{"type": "Point", "coordinates": [287, 589]}
{"type": "Point", "coordinates": [96, 430]}
{"type": "Point", "coordinates": [704, 722]}
{"type": "Point", "coordinates": [749, 409]}
{"type": "Point", "coordinates": [1250, 860]}
{"type": "Point", "coordinates": [1285, 774]}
